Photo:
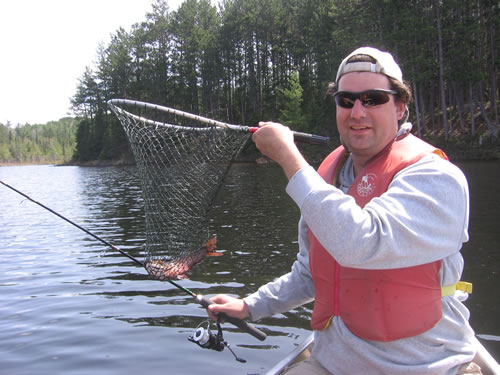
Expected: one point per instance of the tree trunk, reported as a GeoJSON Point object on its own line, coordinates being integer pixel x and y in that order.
{"type": "Point", "coordinates": [432, 107]}
{"type": "Point", "coordinates": [460, 107]}
{"type": "Point", "coordinates": [471, 109]}
{"type": "Point", "coordinates": [441, 74]}
{"type": "Point", "coordinates": [493, 71]}
{"type": "Point", "coordinates": [422, 108]}
{"type": "Point", "coordinates": [417, 111]}
{"type": "Point", "coordinates": [492, 128]}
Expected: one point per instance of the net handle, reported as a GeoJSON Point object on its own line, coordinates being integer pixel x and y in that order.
{"type": "Point", "coordinates": [298, 136]}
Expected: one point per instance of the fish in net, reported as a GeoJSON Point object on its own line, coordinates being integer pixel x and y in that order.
{"type": "Point", "coordinates": [182, 160]}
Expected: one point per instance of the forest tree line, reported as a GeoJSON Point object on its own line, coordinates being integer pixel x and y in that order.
{"type": "Point", "coordinates": [242, 61]}
{"type": "Point", "coordinates": [50, 143]}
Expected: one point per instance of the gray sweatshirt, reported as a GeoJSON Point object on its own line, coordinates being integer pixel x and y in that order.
{"type": "Point", "coordinates": [423, 217]}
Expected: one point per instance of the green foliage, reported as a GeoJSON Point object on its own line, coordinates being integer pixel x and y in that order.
{"type": "Point", "coordinates": [240, 62]}
{"type": "Point", "coordinates": [53, 142]}
{"type": "Point", "coordinates": [291, 114]}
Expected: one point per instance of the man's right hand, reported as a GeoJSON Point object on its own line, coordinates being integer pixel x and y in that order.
{"type": "Point", "coordinates": [237, 308]}
{"type": "Point", "coordinates": [276, 141]}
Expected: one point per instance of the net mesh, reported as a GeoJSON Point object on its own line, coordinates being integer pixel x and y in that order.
{"type": "Point", "coordinates": [181, 164]}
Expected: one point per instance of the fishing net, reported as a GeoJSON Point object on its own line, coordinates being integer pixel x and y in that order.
{"type": "Point", "coordinates": [181, 160]}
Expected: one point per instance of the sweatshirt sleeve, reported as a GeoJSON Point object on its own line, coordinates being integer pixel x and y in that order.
{"type": "Point", "coordinates": [421, 218]}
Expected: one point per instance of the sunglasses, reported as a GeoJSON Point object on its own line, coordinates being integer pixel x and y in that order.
{"type": "Point", "coordinates": [368, 98]}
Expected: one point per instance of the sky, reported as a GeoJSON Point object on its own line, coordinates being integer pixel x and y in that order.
{"type": "Point", "coordinates": [45, 46]}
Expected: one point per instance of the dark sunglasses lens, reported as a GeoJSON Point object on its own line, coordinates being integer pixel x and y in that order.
{"type": "Point", "coordinates": [345, 99]}
{"type": "Point", "coordinates": [373, 98]}
{"type": "Point", "coordinates": [368, 98]}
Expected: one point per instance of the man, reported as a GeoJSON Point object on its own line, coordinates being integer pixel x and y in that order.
{"type": "Point", "coordinates": [382, 224]}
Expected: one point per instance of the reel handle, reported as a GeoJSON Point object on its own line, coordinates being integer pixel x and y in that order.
{"type": "Point", "coordinates": [241, 324]}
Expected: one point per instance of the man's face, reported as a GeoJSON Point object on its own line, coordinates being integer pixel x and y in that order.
{"type": "Point", "coordinates": [365, 131]}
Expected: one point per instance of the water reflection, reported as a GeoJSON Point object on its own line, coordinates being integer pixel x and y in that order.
{"type": "Point", "coordinates": [256, 222]}
{"type": "Point", "coordinates": [114, 206]}
{"type": "Point", "coordinates": [482, 252]}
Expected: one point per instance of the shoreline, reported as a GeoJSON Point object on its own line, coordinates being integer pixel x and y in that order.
{"type": "Point", "coordinates": [312, 154]}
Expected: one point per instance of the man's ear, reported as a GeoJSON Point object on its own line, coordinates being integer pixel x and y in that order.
{"type": "Point", "coordinates": [401, 110]}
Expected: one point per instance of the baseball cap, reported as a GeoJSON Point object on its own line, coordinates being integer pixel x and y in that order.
{"type": "Point", "coordinates": [384, 64]}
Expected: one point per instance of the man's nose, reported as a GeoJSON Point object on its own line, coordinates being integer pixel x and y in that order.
{"type": "Point", "coordinates": [357, 109]}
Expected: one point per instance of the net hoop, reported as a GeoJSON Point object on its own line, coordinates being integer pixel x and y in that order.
{"type": "Point", "coordinates": [116, 104]}
{"type": "Point", "coordinates": [182, 160]}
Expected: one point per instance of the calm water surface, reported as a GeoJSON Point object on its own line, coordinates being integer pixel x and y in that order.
{"type": "Point", "coordinates": [70, 305]}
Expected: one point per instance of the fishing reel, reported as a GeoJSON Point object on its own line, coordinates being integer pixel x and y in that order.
{"type": "Point", "coordinates": [206, 339]}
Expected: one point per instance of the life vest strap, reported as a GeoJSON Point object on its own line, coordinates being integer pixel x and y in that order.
{"type": "Point", "coordinates": [449, 290]}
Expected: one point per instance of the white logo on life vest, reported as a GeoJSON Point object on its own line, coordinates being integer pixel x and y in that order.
{"type": "Point", "coordinates": [367, 185]}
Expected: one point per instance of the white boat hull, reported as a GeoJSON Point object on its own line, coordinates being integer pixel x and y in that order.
{"type": "Point", "coordinates": [489, 366]}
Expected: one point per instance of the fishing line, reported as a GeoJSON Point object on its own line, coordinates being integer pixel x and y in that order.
{"type": "Point", "coordinates": [202, 300]}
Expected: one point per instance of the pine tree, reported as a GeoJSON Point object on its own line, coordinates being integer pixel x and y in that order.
{"type": "Point", "coordinates": [291, 114]}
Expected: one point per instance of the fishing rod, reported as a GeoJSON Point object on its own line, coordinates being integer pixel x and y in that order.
{"type": "Point", "coordinates": [202, 300]}
{"type": "Point", "coordinates": [75, 224]}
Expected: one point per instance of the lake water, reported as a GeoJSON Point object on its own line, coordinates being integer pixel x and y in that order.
{"type": "Point", "coordinates": [69, 304]}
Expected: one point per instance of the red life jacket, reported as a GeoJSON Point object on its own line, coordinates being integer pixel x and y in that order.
{"type": "Point", "coordinates": [381, 305]}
